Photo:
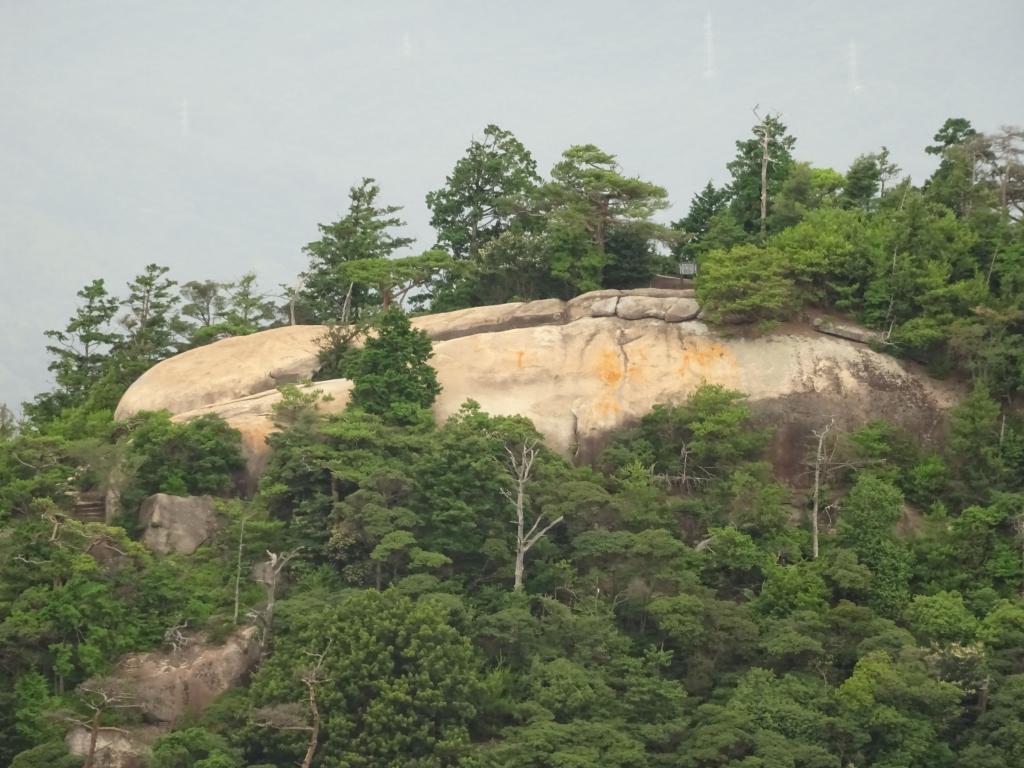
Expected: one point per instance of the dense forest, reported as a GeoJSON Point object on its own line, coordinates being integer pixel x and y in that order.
{"type": "Point", "coordinates": [457, 594]}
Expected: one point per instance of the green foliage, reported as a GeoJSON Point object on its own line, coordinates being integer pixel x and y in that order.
{"type": "Point", "coordinates": [695, 225]}
{"type": "Point", "coordinates": [745, 169]}
{"type": "Point", "coordinates": [746, 284]}
{"type": "Point", "coordinates": [53, 754]}
{"type": "Point", "coordinates": [195, 748]}
{"type": "Point", "coordinates": [976, 445]}
{"type": "Point", "coordinates": [677, 614]}
{"type": "Point", "coordinates": [390, 661]}
{"type": "Point", "coordinates": [191, 458]}
{"type": "Point", "coordinates": [362, 235]}
{"type": "Point", "coordinates": [708, 435]}
{"type": "Point", "coordinates": [869, 515]}
{"type": "Point", "coordinates": [481, 194]}
{"type": "Point", "coordinates": [391, 375]}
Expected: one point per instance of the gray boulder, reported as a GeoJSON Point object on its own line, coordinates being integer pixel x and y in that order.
{"type": "Point", "coordinates": [176, 524]}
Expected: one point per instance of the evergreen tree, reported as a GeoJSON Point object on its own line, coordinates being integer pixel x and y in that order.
{"type": "Point", "coordinates": [81, 351]}
{"type": "Point", "coordinates": [587, 201]}
{"type": "Point", "coordinates": [767, 155]}
{"type": "Point", "coordinates": [391, 374]}
{"type": "Point", "coordinates": [485, 191]}
{"type": "Point", "coordinates": [363, 233]}
{"type": "Point", "coordinates": [151, 320]}
{"type": "Point", "coordinates": [695, 225]}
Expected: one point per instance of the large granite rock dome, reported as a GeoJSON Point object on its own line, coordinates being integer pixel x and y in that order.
{"type": "Point", "coordinates": [578, 369]}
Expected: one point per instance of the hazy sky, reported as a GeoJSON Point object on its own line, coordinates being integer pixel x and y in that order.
{"type": "Point", "coordinates": [211, 137]}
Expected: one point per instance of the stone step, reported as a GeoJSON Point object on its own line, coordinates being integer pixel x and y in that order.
{"type": "Point", "coordinates": [90, 509]}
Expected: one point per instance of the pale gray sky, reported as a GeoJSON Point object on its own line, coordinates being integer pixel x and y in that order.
{"type": "Point", "coordinates": [212, 136]}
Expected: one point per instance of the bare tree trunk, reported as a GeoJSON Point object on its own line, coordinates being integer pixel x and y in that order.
{"type": "Point", "coordinates": [765, 139]}
{"type": "Point", "coordinates": [238, 568]}
{"type": "Point", "coordinates": [314, 726]}
{"type": "Point", "coordinates": [94, 732]}
{"type": "Point", "coordinates": [347, 305]}
{"type": "Point", "coordinates": [277, 563]}
{"type": "Point", "coordinates": [819, 460]}
{"type": "Point", "coordinates": [521, 466]}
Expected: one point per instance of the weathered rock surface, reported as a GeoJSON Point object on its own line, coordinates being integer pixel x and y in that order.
{"type": "Point", "coordinates": [580, 380]}
{"type": "Point", "coordinates": [238, 367]}
{"type": "Point", "coordinates": [845, 330]}
{"type": "Point", "coordinates": [176, 524]}
{"type": "Point", "coordinates": [245, 365]}
{"type": "Point", "coordinates": [168, 687]}
{"type": "Point", "coordinates": [124, 748]}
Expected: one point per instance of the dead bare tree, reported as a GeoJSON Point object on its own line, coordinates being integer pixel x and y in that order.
{"type": "Point", "coordinates": [276, 563]}
{"type": "Point", "coordinates": [238, 565]}
{"type": "Point", "coordinates": [763, 132]}
{"type": "Point", "coordinates": [288, 717]}
{"type": "Point", "coordinates": [176, 638]}
{"type": "Point", "coordinates": [520, 464]}
{"type": "Point", "coordinates": [823, 465]}
{"type": "Point", "coordinates": [819, 469]}
{"type": "Point", "coordinates": [99, 699]}
{"type": "Point", "coordinates": [1008, 146]}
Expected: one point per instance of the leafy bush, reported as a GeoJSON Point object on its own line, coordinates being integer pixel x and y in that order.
{"type": "Point", "coordinates": [391, 374]}
{"type": "Point", "coordinates": [197, 457]}
{"type": "Point", "coordinates": [746, 284]}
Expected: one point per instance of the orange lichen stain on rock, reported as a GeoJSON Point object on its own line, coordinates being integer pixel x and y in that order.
{"type": "Point", "coordinates": [609, 367]}
{"type": "Point", "coordinates": [707, 360]}
{"type": "Point", "coordinates": [520, 356]}
{"type": "Point", "coordinates": [638, 366]}
{"type": "Point", "coordinates": [607, 408]}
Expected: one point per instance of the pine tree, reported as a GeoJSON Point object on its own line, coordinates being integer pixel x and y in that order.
{"type": "Point", "coordinates": [391, 374]}
{"type": "Point", "coordinates": [761, 165]}
{"type": "Point", "coordinates": [81, 351]}
{"type": "Point", "coordinates": [363, 233]}
{"type": "Point", "coordinates": [483, 192]}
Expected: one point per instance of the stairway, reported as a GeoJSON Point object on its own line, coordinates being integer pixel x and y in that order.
{"type": "Point", "coordinates": [90, 508]}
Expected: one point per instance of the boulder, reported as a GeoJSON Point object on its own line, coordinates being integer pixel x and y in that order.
{"type": "Point", "coordinates": [176, 524]}
{"type": "Point", "coordinates": [116, 748]}
{"type": "Point", "coordinates": [682, 310]}
{"type": "Point", "coordinates": [244, 366]}
{"type": "Point", "coordinates": [642, 307]}
{"type": "Point", "coordinates": [498, 317]}
{"type": "Point", "coordinates": [579, 380]}
{"type": "Point", "coordinates": [167, 688]}
{"type": "Point", "coordinates": [593, 304]}
{"type": "Point", "coordinates": [171, 686]}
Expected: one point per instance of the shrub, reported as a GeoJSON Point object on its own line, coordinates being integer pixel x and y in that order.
{"type": "Point", "coordinates": [746, 284]}
{"type": "Point", "coordinates": [197, 457]}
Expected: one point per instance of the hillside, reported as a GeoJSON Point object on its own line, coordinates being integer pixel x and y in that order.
{"type": "Point", "coordinates": [511, 501]}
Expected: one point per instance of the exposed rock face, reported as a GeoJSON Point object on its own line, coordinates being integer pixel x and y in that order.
{"type": "Point", "coordinates": [845, 330]}
{"type": "Point", "coordinates": [280, 356]}
{"type": "Point", "coordinates": [580, 381]}
{"type": "Point", "coordinates": [127, 748]}
{"type": "Point", "coordinates": [176, 524]}
{"type": "Point", "coordinates": [169, 687]}
{"type": "Point", "coordinates": [588, 366]}
{"type": "Point", "coordinates": [235, 368]}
